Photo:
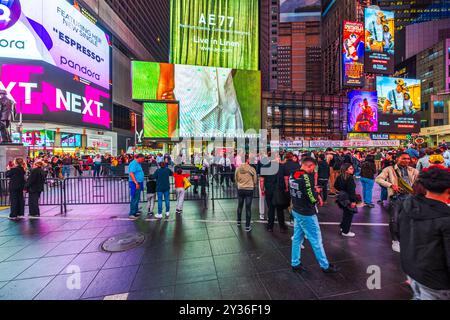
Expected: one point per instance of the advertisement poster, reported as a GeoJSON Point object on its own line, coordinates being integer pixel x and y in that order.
{"type": "Point", "coordinates": [299, 10]}
{"type": "Point", "coordinates": [399, 101]}
{"type": "Point", "coordinates": [161, 120]}
{"type": "Point", "coordinates": [55, 31]}
{"type": "Point", "coordinates": [379, 41]}
{"type": "Point", "coordinates": [353, 54]}
{"type": "Point", "coordinates": [70, 140]}
{"type": "Point", "coordinates": [362, 111]}
{"type": "Point", "coordinates": [220, 33]}
{"type": "Point", "coordinates": [213, 101]}
{"type": "Point", "coordinates": [44, 92]}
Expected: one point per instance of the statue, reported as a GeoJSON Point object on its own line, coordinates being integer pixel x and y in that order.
{"type": "Point", "coordinates": [6, 109]}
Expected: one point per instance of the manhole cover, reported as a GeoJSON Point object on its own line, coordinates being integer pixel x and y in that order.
{"type": "Point", "coordinates": [123, 242]}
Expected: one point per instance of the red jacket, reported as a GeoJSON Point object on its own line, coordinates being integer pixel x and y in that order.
{"type": "Point", "coordinates": [179, 183]}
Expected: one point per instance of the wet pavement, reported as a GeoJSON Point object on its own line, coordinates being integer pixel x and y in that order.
{"type": "Point", "coordinates": [199, 255]}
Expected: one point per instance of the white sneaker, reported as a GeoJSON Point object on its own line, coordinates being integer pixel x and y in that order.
{"type": "Point", "coordinates": [261, 217]}
{"type": "Point", "coordinates": [396, 246]}
{"type": "Point", "coordinates": [349, 234]}
{"type": "Point", "coordinates": [167, 215]}
{"type": "Point", "coordinates": [158, 216]}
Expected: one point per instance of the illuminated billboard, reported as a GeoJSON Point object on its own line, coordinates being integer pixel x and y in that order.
{"type": "Point", "coordinates": [43, 92]}
{"type": "Point", "coordinates": [362, 111]}
{"type": "Point", "coordinates": [220, 33]}
{"type": "Point", "coordinates": [379, 41]}
{"type": "Point", "coordinates": [213, 101]}
{"type": "Point", "coordinates": [59, 33]}
{"type": "Point", "coordinates": [399, 101]}
{"type": "Point", "coordinates": [161, 120]}
{"type": "Point", "coordinates": [299, 10]}
{"type": "Point", "coordinates": [353, 54]}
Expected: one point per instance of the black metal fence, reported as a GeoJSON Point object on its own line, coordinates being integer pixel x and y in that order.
{"type": "Point", "coordinates": [88, 190]}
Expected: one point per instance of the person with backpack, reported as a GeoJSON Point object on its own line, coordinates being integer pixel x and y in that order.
{"type": "Point", "coordinates": [399, 180]}
{"type": "Point", "coordinates": [246, 179]}
{"type": "Point", "coordinates": [424, 233]}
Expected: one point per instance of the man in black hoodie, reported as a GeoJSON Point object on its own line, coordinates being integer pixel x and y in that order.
{"type": "Point", "coordinates": [424, 231]}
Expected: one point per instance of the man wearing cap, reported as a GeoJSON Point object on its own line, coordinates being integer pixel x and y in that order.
{"type": "Point", "coordinates": [395, 98]}
{"type": "Point", "coordinates": [6, 108]}
{"type": "Point", "coordinates": [375, 30]}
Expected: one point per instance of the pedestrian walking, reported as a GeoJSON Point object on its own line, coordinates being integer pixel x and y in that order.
{"type": "Point", "coordinates": [35, 186]}
{"type": "Point", "coordinates": [246, 179]}
{"type": "Point", "coordinates": [136, 184]}
{"type": "Point", "coordinates": [305, 200]}
{"type": "Point", "coordinates": [162, 175]}
{"type": "Point", "coordinates": [323, 176]}
{"type": "Point", "coordinates": [346, 199]}
{"type": "Point", "coordinates": [16, 176]}
{"type": "Point", "coordinates": [180, 190]}
{"type": "Point", "coordinates": [399, 180]}
{"type": "Point", "coordinates": [368, 172]}
{"type": "Point", "coordinates": [273, 190]}
{"type": "Point", "coordinates": [151, 195]}
{"type": "Point", "coordinates": [424, 233]}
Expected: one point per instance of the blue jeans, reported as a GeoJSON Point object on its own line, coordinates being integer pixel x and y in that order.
{"type": "Point", "coordinates": [66, 171]}
{"type": "Point", "coordinates": [367, 186]}
{"type": "Point", "coordinates": [384, 194]}
{"type": "Point", "coordinates": [135, 197]}
{"type": "Point", "coordinates": [97, 168]}
{"type": "Point", "coordinates": [166, 195]}
{"type": "Point", "coordinates": [307, 226]}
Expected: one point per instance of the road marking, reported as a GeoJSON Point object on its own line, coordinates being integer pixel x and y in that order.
{"type": "Point", "coordinates": [123, 296]}
{"type": "Point", "coordinates": [96, 218]}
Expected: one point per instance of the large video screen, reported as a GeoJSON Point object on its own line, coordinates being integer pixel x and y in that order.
{"type": "Point", "coordinates": [219, 33]}
{"type": "Point", "coordinates": [213, 101]}
{"type": "Point", "coordinates": [399, 101]}
{"type": "Point", "coordinates": [70, 140]}
{"type": "Point", "coordinates": [362, 111]}
{"type": "Point", "coordinates": [43, 92]}
{"type": "Point", "coordinates": [353, 54]}
{"type": "Point", "coordinates": [161, 120]}
{"type": "Point", "coordinates": [58, 32]}
{"type": "Point", "coordinates": [299, 10]}
{"type": "Point", "coordinates": [379, 41]}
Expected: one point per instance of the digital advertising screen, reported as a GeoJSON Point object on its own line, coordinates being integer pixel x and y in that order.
{"type": "Point", "coordinates": [219, 33]}
{"type": "Point", "coordinates": [362, 111]}
{"type": "Point", "coordinates": [57, 32]}
{"type": "Point", "coordinates": [35, 138]}
{"type": "Point", "coordinates": [399, 101]}
{"type": "Point", "coordinates": [379, 41]}
{"type": "Point", "coordinates": [353, 54]}
{"type": "Point", "coordinates": [43, 92]}
{"type": "Point", "coordinates": [212, 101]}
{"type": "Point", "coordinates": [70, 140]}
{"type": "Point", "coordinates": [161, 120]}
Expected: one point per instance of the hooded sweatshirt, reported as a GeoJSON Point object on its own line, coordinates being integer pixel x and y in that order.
{"type": "Point", "coordinates": [246, 177]}
{"type": "Point", "coordinates": [424, 226]}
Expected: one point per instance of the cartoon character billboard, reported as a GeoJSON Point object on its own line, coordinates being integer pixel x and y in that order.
{"type": "Point", "coordinates": [353, 54]}
{"type": "Point", "coordinates": [379, 41]}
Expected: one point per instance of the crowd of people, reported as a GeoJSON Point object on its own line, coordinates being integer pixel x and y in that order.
{"type": "Point", "coordinates": [414, 182]}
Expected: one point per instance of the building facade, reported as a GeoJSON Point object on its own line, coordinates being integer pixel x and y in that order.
{"type": "Point", "coordinates": [333, 14]}
{"type": "Point", "coordinates": [305, 116]}
{"type": "Point", "coordinates": [409, 12]}
{"type": "Point", "coordinates": [433, 68]}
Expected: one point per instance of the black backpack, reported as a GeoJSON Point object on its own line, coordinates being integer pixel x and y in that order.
{"type": "Point", "coordinates": [338, 161]}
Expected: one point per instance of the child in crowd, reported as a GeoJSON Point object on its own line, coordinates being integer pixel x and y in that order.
{"type": "Point", "coordinates": [179, 187]}
{"type": "Point", "coordinates": [151, 195]}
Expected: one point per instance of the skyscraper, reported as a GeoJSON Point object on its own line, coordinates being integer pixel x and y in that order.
{"type": "Point", "coordinates": [410, 12]}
